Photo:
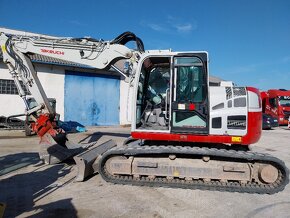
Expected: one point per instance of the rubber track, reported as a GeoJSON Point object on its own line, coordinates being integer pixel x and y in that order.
{"type": "Point", "coordinates": [245, 156]}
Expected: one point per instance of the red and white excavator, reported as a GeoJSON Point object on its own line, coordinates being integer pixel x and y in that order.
{"type": "Point", "coordinates": [185, 134]}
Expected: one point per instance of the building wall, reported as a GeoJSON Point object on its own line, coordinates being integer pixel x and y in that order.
{"type": "Point", "coordinates": [9, 104]}
{"type": "Point", "coordinates": [52, 78]}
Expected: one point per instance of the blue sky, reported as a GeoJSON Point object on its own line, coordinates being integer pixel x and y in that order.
{"type": "Point", "coordinates": [248, 40]}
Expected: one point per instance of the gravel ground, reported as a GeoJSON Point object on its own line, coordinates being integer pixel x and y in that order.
{"type": "Point", "coordinates": [31, 189]}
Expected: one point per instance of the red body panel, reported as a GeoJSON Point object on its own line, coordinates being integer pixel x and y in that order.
{"type": "Point", "coordinates": [252, 136]}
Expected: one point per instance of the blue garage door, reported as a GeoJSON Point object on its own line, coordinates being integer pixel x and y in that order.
{"type": "Point", "coordinates": [91, 100]}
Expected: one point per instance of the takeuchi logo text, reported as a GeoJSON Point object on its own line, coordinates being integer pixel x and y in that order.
{"type": "Point", "coordinates": [43, 50]}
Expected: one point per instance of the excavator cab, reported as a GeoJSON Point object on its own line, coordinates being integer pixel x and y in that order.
{"type": "Point", "coordinates": [172, 93]}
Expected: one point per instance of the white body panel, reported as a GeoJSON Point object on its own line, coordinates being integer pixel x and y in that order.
{"type": "Point", "coordinates": [223, 107]}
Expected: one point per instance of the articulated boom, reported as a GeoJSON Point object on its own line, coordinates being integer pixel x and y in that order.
{"type": "Point", "coordinates": [83, 52]}
{"type": "Point", "coordinates": [97, 54]}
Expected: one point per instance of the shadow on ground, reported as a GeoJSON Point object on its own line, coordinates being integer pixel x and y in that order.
{"type": "Point", "coordinates": [94, 137]}
{"type": "Point", "coordinates": [268, 209]}
{"type": "Point", "coordinates": [62, 208]}
{"type": "Point", "coordinates": [20, 193]}
{"type": "Point", "coordinates": [12, 162]}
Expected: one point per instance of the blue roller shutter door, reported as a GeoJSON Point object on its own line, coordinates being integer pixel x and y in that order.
{"type": "Point", "coordinates": [91, 100]}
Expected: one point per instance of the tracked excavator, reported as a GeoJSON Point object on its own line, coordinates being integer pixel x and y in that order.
{"type": "Point", "coordinates": [184, 133]}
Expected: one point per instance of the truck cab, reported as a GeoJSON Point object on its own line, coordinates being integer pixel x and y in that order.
{"type": "Point", "coordinates": [276, 103]}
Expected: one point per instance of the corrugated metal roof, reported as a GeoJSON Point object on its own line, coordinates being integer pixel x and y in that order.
{"type": "Point", "coordinates": [215, 79]}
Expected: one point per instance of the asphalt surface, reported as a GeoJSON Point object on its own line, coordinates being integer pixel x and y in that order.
{"type": "Point", "coordinates": [32, 189]}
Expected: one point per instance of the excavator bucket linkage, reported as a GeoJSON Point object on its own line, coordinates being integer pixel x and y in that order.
{"type": "Point", "coordinates": [53, 152]}
{"type": "Point", "coordinates": [56, 150]}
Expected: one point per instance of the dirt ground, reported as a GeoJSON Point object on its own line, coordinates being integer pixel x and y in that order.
{"type": "Point", "coordinates": [32, 189]}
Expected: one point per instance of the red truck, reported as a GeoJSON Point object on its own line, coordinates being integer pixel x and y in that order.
{"type": "Point", "coordinates": [276, 102]}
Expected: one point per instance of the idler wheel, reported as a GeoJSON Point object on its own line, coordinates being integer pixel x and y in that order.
{"type": "Point", "coordinates": [268, 174]}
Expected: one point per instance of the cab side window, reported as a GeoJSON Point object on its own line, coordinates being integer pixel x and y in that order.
{"type": "Point", "coordinates": [273, 102]}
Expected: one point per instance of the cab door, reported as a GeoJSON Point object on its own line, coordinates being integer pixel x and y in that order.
{"type": "Point", "coordinates": [189, 106]}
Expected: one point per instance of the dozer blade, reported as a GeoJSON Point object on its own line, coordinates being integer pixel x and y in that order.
{"type": "Point", "coordinates": [87, 161]}
{"type": "Point", "coordinates": [54, 151]}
